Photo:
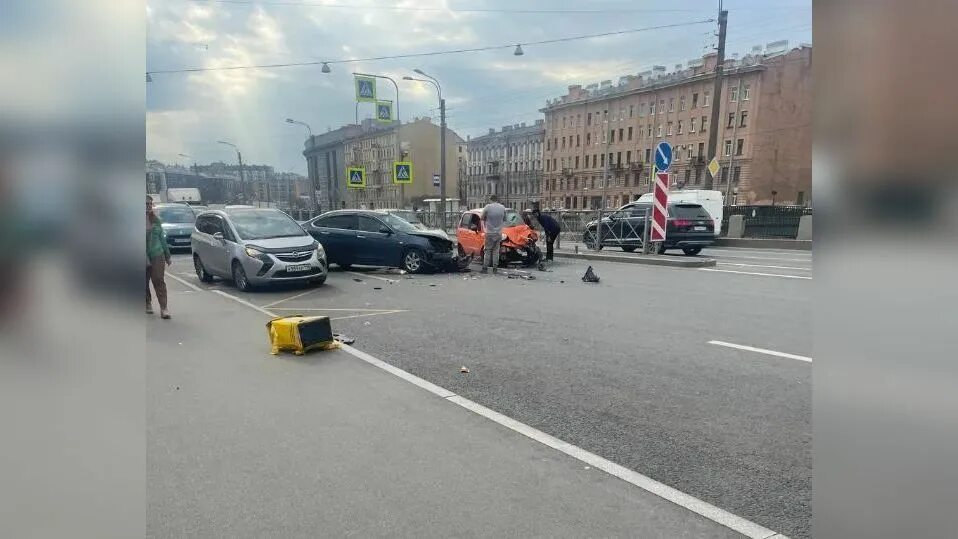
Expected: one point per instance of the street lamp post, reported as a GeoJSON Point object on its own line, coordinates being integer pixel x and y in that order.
{"type": "Point", "coordinates": [189, 157]}
{"type": "Point", "coordinates": [398, 156]}
{"type": "Point", "coordinates": [442, 139]}
{"type": "Point", "coordinates": [312, 194]}
{"type": "Point", "coordinates": [239, 157]}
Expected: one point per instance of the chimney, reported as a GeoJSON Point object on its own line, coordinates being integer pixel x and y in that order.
{"type": "Point", "coordinates": [574, 89]}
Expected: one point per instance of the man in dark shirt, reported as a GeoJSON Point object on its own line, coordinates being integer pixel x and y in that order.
{"type": "Point", "coordinates": [551, 228]}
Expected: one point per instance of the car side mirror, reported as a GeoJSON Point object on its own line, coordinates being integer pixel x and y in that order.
{"type": "Point", "coordinates": [385, 230]}
{"type": "Point", "coordinates": [218, 236]}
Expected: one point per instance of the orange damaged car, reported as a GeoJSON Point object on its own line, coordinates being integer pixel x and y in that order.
{"type": "Point", "coordinates": [518, 239]}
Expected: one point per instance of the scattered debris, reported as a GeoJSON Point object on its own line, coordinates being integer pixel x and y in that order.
{"type": "Point", "coordinates": [358, 280]}
{"type": "Point", "coordinates": [528, 277]}
{"type": "Point", "coordinates": [512, 276]}
{"type": "Point", "coordinates": [402, 272]}
{"type": "Point", "coordinates": [177, 388]}
{"type": "Point", "coordinates": [343, 338]}
{"type": "Point", "coordinates": [367, 323]}
{"type": "Point", "coordinates": [464, 369]}
{"type": "Point", "coordinates": [590, 276]}
{"type": "Point", "coordinates": [561, 282]}
{"type": "Point", "coordinates": [377, 288]}
{"type": "Point", "coordinates": [432, 284]}
{"type": "Point", "coordinates": [181, 344]}
{"type": "Point", "coordinates": [587, 468]}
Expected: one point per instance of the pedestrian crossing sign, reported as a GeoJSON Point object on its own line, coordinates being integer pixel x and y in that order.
{"type": "Point", "coordinates": [402, 172]}
{"type": "Point", "coordinates": [384, 111]}
{"type": "Point", "coordinates": [356, 178]}
{"type": "Point", "coordinates": [365, 89]}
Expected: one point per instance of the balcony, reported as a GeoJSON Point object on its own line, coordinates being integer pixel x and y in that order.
{"type": "Point", "coordinates": [635, 165]}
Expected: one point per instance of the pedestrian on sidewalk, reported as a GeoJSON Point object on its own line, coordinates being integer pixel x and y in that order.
{"type": "Point", "coordinates": [157, 258]}
{"type": "Point", "coordinates": [493, 216]}
{"type": "Point", "coordinates": [551, 227]}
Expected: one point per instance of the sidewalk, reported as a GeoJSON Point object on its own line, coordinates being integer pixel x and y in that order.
{"type": "Point", "coordinates": [241, 444]}
{"type": "Point", "coordinates": [578, 250]}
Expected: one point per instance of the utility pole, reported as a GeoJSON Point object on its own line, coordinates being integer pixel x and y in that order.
{"type": "Point", "coordinates": [442, 161]}
{"type": "Point", "coordinates": [717, 94]}
{"type": "Point", "coordinates": [605, 183]}
{"type": "Point", "coordinates": [239, 157]}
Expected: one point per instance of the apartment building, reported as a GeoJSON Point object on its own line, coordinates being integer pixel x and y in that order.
{"type": "Point", "coordinates": [376, 150]}
{"type": "Point", "coordinates": [326, 162]}
{"type": "Point", "coordinates": [506, 163]}
{"type": "Point", "coordinates": [764, 143]}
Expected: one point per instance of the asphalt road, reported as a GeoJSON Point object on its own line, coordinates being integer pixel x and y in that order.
{"type": "Point", "coordinates": [623, 368]}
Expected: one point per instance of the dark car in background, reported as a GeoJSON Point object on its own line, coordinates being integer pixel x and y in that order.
{"type": "Point", "coordinates": [178, 220]}
{"type": "Point", "coordinates": [377, 238]}
{"type": "Point", "coordinates": [689, 227]}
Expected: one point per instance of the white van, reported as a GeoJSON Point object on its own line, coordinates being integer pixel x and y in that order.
{"type": "Point", "coordinates": [712, 201]}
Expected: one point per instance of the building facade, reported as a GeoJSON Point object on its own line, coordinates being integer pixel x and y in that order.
{"type": "Point", "coordinates": [764, 142]}
{"type": "Point", "coordinates": [376, 150]}
{"type": "Point", "coordinates": [326, 164]}
{"type": "Point", "coordinates": [506, 163]}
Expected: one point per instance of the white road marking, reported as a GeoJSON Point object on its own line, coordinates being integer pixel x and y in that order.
{"type": "Point", "coordinates": [291, 297]}
{"type": "Point", "coordinates": [763, 266]}
{"type": "Point", "coordinates": [187, 283]}
{"type": "Point", "coordinates": [372, 276]}
{"type": "Point", "coordinates": [761, 350]}
{"type": "Point", "coordinates": [367, 314]}
{"type": "Point", "coordinates": [376, 313]}
{"type": "Point", "coordinates": [758, 257]}
{"type": "Point", "coordinates": [705, 509]}
{"type": "Point", "coordinates": [326, 309]}
{"type": "Point", "coordinates": [756, 273]}
{"type": "Point", "coordinates": [244, 302]}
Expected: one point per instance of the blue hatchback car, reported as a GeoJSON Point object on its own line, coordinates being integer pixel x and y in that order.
{"type": "Point", "coordinates": [375, 238]}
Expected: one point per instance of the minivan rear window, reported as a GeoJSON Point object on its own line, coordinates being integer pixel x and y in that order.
{"type": "Point", "coordinates": [689, 211]}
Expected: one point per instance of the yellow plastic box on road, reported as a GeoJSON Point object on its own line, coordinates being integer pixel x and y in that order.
{"type": "Point", "coordinates": [299, 334]}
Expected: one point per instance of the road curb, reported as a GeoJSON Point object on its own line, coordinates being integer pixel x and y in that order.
{"type": "Point", "coordinates": [648, 260]}
{"type": "Point", "coordinates": [760, 243]}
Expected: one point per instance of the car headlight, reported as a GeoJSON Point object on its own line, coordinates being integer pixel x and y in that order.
{"type": "Point", "coordinates": [254, 253]}
{"type": "Point", "coordinates": [320, 252]}
{"type": "Point", "coordinates": [504, 237]}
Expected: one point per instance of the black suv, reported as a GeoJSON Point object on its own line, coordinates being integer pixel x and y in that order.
{"type": "Point", "coordinates": [689, 227]}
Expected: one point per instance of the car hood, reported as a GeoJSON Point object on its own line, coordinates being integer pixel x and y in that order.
{"type": "Point", "coordinates": [177, 227]}
{"type": "Point", "coordinates": [271, 244]}
{"type": "Point", "coordinates": [520, 234]}
{"type": "Point", "coordinates": [431, 234]}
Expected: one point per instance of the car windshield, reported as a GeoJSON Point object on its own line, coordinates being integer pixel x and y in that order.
{"type": "Point", "coordinates": [261, 224]}
{"type": "Point", "coordinates": [408, 216]}
{"type": "Point", "coordinates": [690, 211]}
{"type": "Point", "coordinates": [513, 218]}
{"type": "Point", "coordinates": [176, 214]}
{"type": "Point", "coordinates": [398, 223]}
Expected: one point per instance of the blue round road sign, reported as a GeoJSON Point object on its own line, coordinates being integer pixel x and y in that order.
{"type": "Point", "coordinates": [663, 156]}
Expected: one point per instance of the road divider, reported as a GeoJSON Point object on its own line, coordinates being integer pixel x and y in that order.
{"type": "Point", "coordinates": [648, 260]}
{"type": "Point", "coordinates": [761, 351]}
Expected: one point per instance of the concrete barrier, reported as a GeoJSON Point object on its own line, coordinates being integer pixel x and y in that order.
{"type": "Point", "coordinates": [804, 228]}
{"type": "Point", "coordinates": [736, 226]}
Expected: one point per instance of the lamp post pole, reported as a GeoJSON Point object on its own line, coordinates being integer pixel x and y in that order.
{"type": "Point", "coordinates": [239, 157]}
{"type": "Point", "coordinates": [442, 140]}
{"type": "Point", "coordinates": [398, 156]}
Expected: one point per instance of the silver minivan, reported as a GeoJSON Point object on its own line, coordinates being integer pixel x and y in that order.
{"type": "Point", "coordinates": [253, 246]}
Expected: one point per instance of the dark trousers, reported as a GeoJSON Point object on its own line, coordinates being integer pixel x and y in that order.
{"type": "Point", "coordinates": [155, 273]}
{"type": "Point", "coordinates": [550, 242]}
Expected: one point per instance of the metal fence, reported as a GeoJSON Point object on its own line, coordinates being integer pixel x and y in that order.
{"type": "Point", "coordinates": [767, 221]}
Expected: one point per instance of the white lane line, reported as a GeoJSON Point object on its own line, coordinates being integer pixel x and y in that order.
{"type": "Point", "coordinates": [762, 266]}
{"type": "Point", "coordinates": [184, 281]}
{"type": "Point", "coordinates": [761, 350]}
{"type": "Point", "coordinates": [367, 314]}
{"type": "Point", "coordinates": [768, 252]}
{"type": "Point", "coordinates": [244, 302]}
{"type": "Point", "coordinates": [720, 256]}
{"type": "Point", "coordinates": [756, 273]}
{"type": "Point", "coordinates": [705, 509]}
{"type": "Point", "coordinates": [372, 276]}
{"type": "Point", "coordinates": [326, 309]}
{"type": "Point", "coordinates": [290, 298]}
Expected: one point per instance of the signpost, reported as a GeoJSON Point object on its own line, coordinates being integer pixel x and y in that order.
{"type": "Point", "coordinates": [435, 180]}
{"type": "Point", "coordinates": [402, 172]}
{"type": "Point", "coordinates": [356, 178]}
{"type": "Point", "coordinates": [660, 197]}
{"type": "Point", "coordinates": [384, 111]}
{"type": "Point", "coordinates": [365, 89]}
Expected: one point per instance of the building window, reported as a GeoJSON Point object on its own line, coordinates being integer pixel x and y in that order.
{"type": "Point", "coordinates": [605, 115]}
{"type": "Point", "coordinates": [682, 103]}
{"type": "Point", "coordinates": [698, 176]}
{"type": "Point", "coordinates": [575, 203]}
{"type": "Point", "coordinates": [745, 92]}
{"type": "Point", "coordinates": [671, 104]}
{"type": "Point", "coordinates": [739, 146]}
{"type": "Point", "coordinates": [688, 175]}
{"type": "Point", "coordinates": [659, 131]}
{"type": "Point", "coordinates": [553, 163]}
{"type": "Point", "coordinates": [563, 143]}
{"type": "Point", "coordinates": [577, 141]}
{"type": "Point", "coordinates": [736, 175]}
{"type": "Point", "coordinates": [688, 150]}
{"type": "Point", "coordinates": [575, 183]}
{"type": "Point", "coordinates": [651, 108]}
{"type": "Point", "coordinates": [731, 119]}
{"type": "Point", "coordinates": [705, 99]}
{"type": "Point", "coordinates": [595, 160]}
{"type": "Point", "coordinates": [577, 162]}
{"type": "Point", "coordinates": [661, 106]}
{"type": "Point", "coordinates": [588, 139]}
{"type": "Point", "coordinates": [620, 134]}
{"type": "Point", "coordinates": [611, 136]}
{"type": "Point", "coordinates": [588, 119]}
{"type": "Point", "coordinates": [679, 128]}
{"type": "Point", "coordinates": [649, 131]}
{"type": "Point", "coordinates": [701, 149]}
{"type": "Point", "coordinates": [695, 100]}
{"type": "Point", "coordinates": [728, 148]}
{"type": "Point", "coordinates": [692, 125]}
{"type": "Point", "coordinates": [630, 133]}
{"type": "Point", "coordinates": [603, 160]}
{"type": "Point", "coordinates": [704, 124]}
{"type": "Point", "coordinates": [668, 132]}
{"type": "Point", "coordinates": [733, 94]}
{"type": "Point", "coordinates": [723, 176]}
{"type": "Point", "coordinates": [631, 111]}
{"type": "Point", "coordinates": [605, 137]}
{"type": "Point", "coordinates": [648, 152]}
{"type": "Point", "coordinates": [618, 159]}
{"type": "Point", "coordinates": [642, 109]}
{"type": "Point", "coordinates": [628, 157]}
{"type": "Point", "coordinates": [800, 198]}
{"type": "Point", "coordinates": [743, 117]}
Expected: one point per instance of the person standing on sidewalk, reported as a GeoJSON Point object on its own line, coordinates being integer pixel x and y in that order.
{"type": "Point", "coordinates": [551, 227]}
{"type": "Point", "coordinates": [157, 258]}
{"type": "Point", "coordinates": [493, 215]}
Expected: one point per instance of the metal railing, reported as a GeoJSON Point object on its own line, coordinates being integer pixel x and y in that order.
{"type": "Point", "coordinates": [767, 221]}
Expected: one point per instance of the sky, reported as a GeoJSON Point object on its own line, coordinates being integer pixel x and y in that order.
{"type": "Point", "coordinates": [188, 112]}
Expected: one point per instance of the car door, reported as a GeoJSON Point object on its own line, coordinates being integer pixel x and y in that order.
{"type": "Point", "coordinates": [375, 247]}
{"type": "Point", "coordinates": [633, 223]}
{"type": "Point", "coordinates": [337, 234]}
{"type": "Point", "coordinates": [469, 234]}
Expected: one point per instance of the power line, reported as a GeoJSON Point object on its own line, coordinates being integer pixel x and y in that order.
{"type": "Point", "coordinates": [434, 53]}
{"type": "Point", "coordinates": [452, 10]}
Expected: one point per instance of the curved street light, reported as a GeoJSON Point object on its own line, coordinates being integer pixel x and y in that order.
{"type": "Point", "coordinates": [442, 136]}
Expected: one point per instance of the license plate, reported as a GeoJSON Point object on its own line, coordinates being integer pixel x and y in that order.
{"type": "Point", "coordinates": [181, 240]}
{"type": "Point", "coordinates": [700, 229]}
{"type": "Point", "coordinates": [298, 268]}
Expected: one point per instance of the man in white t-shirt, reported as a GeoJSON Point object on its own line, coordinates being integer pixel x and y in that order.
{"type": "Point", "coordinates": [493, 216]}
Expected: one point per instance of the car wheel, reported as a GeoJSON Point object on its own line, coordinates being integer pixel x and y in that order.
{"type": "Point", "coordinates": [691, 251]}
{"type": "Point", "coordinates": [589, 240]}
{"type": "Point", "coordinates": [239, 278]}
{"type": "Point", "coordinates": [201, 272]}
{"type": "Point", "coordinates": [661, 248]}
{"type": "Point", "coordinates": [462, 259]}
{"type": "Point", "coordinates": [628, 248]}
{"type": "Point", "coordinates": [414, 260]}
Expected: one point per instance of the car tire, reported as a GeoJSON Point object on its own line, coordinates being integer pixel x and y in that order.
{"type": "Point", "coordinates": [414, 260]}
{"type": "Point", "coordinates": [691, 251]}
{"type": "Point", "coordinates": [201, 273]}
{"type": "Point", "coordinates": [628, 248]}
{"type": "Point", "coordinates": [661, 249]}
{"type": "Point", "coordinates": [462, 259]}
{"type": "Point", "coordinates": [240, 279]}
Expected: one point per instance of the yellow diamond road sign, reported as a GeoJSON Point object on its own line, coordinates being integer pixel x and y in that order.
{"type": "Point", "coordinates": [714, 167]}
